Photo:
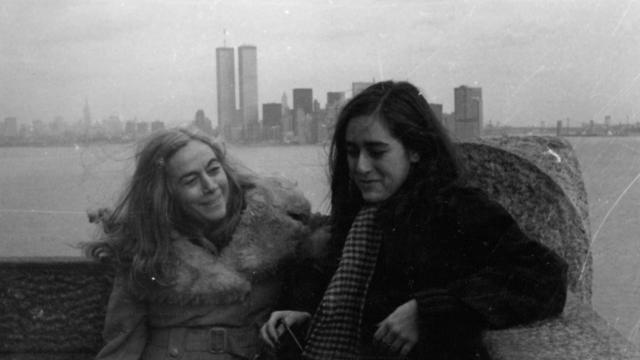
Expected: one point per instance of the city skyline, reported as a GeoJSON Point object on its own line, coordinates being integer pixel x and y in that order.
{"type": "Point", "coordinates": [536, 61]}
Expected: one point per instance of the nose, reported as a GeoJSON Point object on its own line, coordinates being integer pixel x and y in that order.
{"type": "Point", "coordinates": [363, 164]}
{"type": "Point", "coordinates": [208, 184]}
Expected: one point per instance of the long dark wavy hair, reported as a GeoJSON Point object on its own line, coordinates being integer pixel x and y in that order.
{"type": "Point", "coordinates": [136, 235]}
{"type": "Point", "coordinates": [409, 118]}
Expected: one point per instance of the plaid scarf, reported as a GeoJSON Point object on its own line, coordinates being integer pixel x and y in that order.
{"type": "Point", "coordinates": [334, 332]}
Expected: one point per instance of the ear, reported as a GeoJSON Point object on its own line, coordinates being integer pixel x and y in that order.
{"type": "Point", "coordinates": [414, 157]}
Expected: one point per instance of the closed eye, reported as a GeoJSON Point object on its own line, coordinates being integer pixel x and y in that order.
{"type": "Point", "coordinates": [376, 154]}
{"type": "Point", "coordinates": [377, 150]}
{"type": "Point", "coordinates": [213, 170]}
{"type": "Point", "coordinates": [189, 180]}
{"type": "Point", "coordinates": [301, 217]}
{"type": "Point", "coordinates": [352, 151]}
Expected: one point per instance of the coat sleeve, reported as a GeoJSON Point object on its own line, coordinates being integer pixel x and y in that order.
{"type": "Point", "coordinates": [510, 279]}
{"type": "Point", "coordinates": [308, 275]}
{"type": "Point", "coordinates": [125, 328]}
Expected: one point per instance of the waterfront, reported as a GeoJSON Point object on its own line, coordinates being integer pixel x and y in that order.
{"type": "Point", "coordinates": [45, 193]}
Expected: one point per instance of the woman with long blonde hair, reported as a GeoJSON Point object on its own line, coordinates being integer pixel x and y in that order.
{"type": "Point", "coordinates": [199, 250]}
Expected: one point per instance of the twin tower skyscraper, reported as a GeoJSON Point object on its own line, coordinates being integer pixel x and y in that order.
{"type": "Point", "coordinates": [237, 123]}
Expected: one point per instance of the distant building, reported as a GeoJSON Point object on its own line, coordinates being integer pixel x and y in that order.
{"type": "Point", "coordinates": [468, 112]}
{"type": "Point", "coordinates": [38, 128]}
{"type": "Point", "coordinates": [86, 117]}
{"type": "Point", "coordinates": [327, 125]}
{"type": "Point", "coordinates": [58, 126]}
{"type": "Point", "coordinates": [335, 97]}
{"type": "Point", "coordinates": [303, 123]}
{"type": "Point", "coordinates": [357, 87]}
{"type": "Point", "coordinates": [157, 125]}
{"type": "Point", "coordinates": [142, 128]}
{"type": "Point", "coordinates": [445, 121]}
{"type": "Point", "coordinates": [285, 103]}
{"type": "Point", "coordinates": [10, 128]}
{"type": "Point", "coordinates": [226, 90]}
{"type": "Point", "coordinates": [23, 131]}
{"type": "Point", "coordinates": [287, 117]}
{"type": "Point", "coordinates": [437, 111]}
{"type": "Point", "coordinates": [287, 125]}
{"type": "Point", "coordinates": [335, 100]}
{"type": "Point", "coordinates": [113, 126]}
{"type": "Point", "coordinates": [302, 101]}
{"type": "Point", "coordinates": [248, 89]}
{"type": "Point", "coordinates": [202, 122]}
{"type": "Point", "coordinates": [449, 121]}
{"type": "Point", "coordinates": [271, 114]}
{"type": "Point", "coordinates": [316, 131]}
{"type": "Point", "coordinates": [130, 129]}
{"type": "Point", "coordinates": [272, 121]}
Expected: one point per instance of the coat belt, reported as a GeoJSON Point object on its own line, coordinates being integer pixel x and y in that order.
{"type": "Point", "coordinates": [240, 341]}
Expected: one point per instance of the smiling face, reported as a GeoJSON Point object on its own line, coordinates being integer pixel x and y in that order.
{"type": "Point", "coordinates": [378, 162]}
{"type": "Point", "coordinates": [199, 182]}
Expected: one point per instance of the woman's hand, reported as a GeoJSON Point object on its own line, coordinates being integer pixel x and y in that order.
{"type": "Point", "coordinates": [272, 329]}
{"type": "Point", "coordinates": [399, 331]}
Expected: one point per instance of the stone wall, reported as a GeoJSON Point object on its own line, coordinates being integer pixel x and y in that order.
{"type": "Point", "coordinates": [538, 180]}
{"type": "Point", "coordinates": [52, 308]}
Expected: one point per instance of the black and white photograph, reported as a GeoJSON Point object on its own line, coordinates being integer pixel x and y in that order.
{"type": "Point", "coordinates": [319, 179]}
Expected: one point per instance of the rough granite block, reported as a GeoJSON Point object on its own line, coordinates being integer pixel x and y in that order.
{"type": "Point", "coordinates": [578, 334]}
{"type": "Point", "coordinates": [538, 180]}
{"type": "Point", "coordinates": [52, 306]}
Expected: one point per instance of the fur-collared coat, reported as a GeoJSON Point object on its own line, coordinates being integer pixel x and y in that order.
{"type": "Point", "coordinates": [235, 289]}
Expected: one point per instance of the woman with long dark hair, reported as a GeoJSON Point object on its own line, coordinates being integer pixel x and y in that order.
{"type": "Point", "coordinates": [424, 264]}
{"type": "Point", "coordinates": [198, 249]}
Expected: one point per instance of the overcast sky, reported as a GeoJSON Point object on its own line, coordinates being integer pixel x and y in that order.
{"type": "Point", "coordinates": [535, 60]}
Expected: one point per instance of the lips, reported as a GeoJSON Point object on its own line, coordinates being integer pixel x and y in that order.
{"type": "Point", "coordinates": [211, 201]}
{"type": "Point", "coordinates": [367, 181]}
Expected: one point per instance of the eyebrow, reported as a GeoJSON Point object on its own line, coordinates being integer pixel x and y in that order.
{"type": "Point", "coordinates": [212, 161]}
{"type": "Point", "coordinates": [369, 143]}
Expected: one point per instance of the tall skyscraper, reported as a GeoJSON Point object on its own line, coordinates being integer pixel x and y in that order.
{"type": "Point", "coordinates": [467, 112]}
{"type": "Point", "coordinates": [226, 88]}
{"type": "Point", "coordinates": [248, 85]}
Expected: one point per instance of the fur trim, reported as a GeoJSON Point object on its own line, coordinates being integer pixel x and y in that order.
{"type": "Point", "coordinates": [269, 233]}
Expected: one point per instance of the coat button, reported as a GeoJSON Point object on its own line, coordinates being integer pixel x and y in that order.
{"type": "Point", "coordinates": [174, 352]}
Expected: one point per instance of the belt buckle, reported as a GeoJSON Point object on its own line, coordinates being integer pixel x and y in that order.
{"type": "Point", "coordinates": [217, 340]}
